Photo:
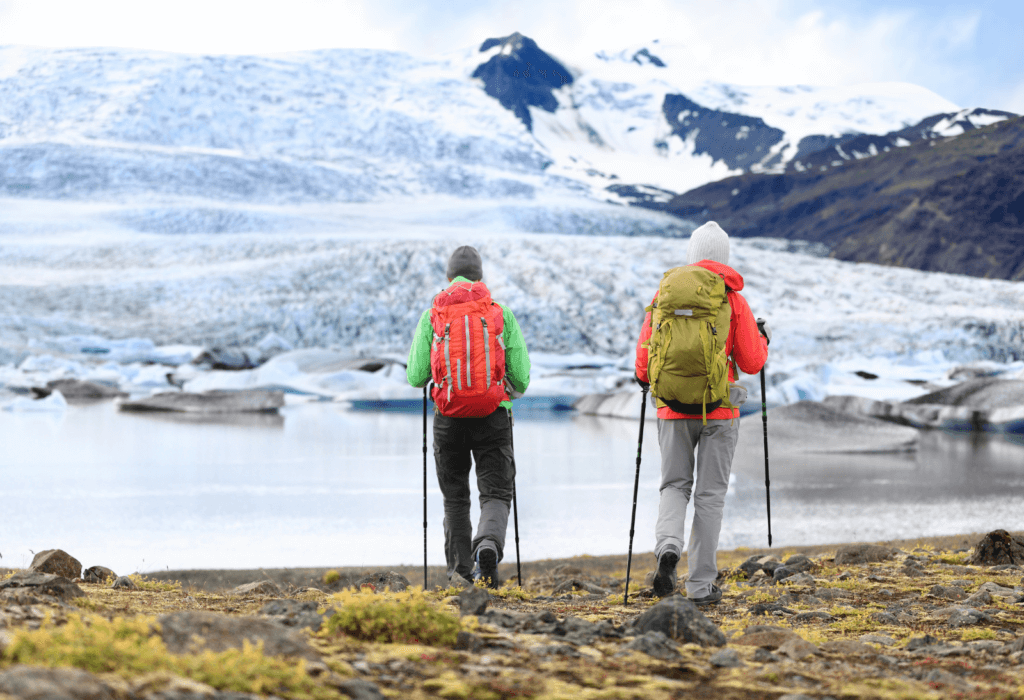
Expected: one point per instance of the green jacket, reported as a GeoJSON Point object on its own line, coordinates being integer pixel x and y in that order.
{"type": "Point", "coordinates": [517, 360]}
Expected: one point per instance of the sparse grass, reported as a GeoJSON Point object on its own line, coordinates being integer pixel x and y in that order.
{"type": "Point", "coordinates": [511, 593]}
{"type": "Point", "coordinates": [146, 584]}
{"type": "Point", "coordinates": [331, 576]}
{"type": "Point", "coordinates": [761, 597]}
{"type": "Point", "coordinates": [406, 617]}
{"type": "Point", "coordinates": [973, 634]}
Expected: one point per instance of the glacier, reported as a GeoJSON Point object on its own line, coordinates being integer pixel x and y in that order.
{"type": "Point", "coordinates": [82, 296]}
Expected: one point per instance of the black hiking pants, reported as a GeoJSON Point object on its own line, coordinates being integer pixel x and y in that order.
{"type": "Point", "coordinates": [489, 440]}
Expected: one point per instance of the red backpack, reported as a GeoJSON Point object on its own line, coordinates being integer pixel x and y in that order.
{"type": "Point", "coordinates": [467, 356]}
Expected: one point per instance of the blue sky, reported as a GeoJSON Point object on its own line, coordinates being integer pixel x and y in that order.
{"type": "Point", "coordinates": [970, 53]}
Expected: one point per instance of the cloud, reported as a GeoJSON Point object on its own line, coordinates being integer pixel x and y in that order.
{"type": "Point", "coordinates": [823, 42]}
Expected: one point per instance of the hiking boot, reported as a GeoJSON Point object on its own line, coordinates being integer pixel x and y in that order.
{"type": "Point", "coordinates": [713, 597]}
{"type": "Point", "coordinates": [665, 579]}
{"type": "Point", "coordinates": [487, 565]}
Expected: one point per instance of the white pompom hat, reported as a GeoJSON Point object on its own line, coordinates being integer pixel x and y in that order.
{"type": "Point", "coordinates": [709, 242]}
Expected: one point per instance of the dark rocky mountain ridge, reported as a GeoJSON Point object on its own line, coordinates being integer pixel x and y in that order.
{"type": "Point", "coordinates": [952, 205]}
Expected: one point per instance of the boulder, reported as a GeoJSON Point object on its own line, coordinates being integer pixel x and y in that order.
{"type": "Point", "coordinates": [726, 658]}
{"type": "Point", "coordinates": [124, 583]}
{"type": "Point", "coordinates": [797, 648]}
{"type": "Point", "coordinates": [575, 584]}
{"type": "Point", "coordinates": [654, 643]}
{"type": "Point", "coordinates": [682, 620]}
{"type": "Point", "coordinates": [380, 580]}
{"type": "Point", "coordinates": [765, 636]}
{"type": "Point", "coordinates": [296, 613]}
{"type": "Point", "coordinates": [98, 574]}
{"type": "Point", "coordinates": [56, 561]}
{"type": "Point", "coordinates": [39, 583]}
{"type": "Point", "coordinates": [473, 601]}
{"type": "Point", "coordinates": [265, 587]}
{"type": "Point", "coordinates": [191, 631]}
{"type": "Point", "coordinates": [998, 547]}
{"type": "Point", "coordinates": [360, 689]}
{"type": "Point", "coordinates": [33, 683]}
{"type": "Point", "coordinates": [215, 401]}
{"type": "Point", "coordinates": [863, 554]}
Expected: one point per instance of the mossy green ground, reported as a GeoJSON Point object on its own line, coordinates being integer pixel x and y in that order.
{"type": "Point", "coordinates": [406, 642]}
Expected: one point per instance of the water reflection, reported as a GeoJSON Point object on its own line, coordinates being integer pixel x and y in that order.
{"type": "Point", "coordinates": [325, 486]}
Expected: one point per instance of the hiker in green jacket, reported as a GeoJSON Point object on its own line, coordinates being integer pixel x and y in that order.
{"type": "Point", "coordinates": [474, 351]}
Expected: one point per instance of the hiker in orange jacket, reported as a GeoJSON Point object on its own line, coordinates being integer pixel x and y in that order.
{"type": "Point", "coordinates": [679, 434]}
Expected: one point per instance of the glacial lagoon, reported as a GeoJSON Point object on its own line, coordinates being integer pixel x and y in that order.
{"type": "Point", "coordinates": [322, 485]}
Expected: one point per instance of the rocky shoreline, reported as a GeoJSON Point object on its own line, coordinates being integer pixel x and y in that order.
{"type": "Point", "coordinates": [934, 617]}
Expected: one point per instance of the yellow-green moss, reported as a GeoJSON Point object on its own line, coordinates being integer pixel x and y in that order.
{"type": "Point", "coordinates": [130, 647]}
{"type": "Point", "coordinates": [406, 617]}
{"type": "Point", "coordinates": [146, 584]}
{"type": "Point", "coordinates": [331, 576]}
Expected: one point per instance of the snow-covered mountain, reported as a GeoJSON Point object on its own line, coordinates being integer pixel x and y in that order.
{"type": "Point", "coordinates": [502, 120]}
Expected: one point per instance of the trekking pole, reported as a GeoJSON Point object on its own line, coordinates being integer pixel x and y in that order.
{"type": "Point", "coordinates": [767, 480]}
{"type": "Point", "coordinates": [515, 505]}
{"type": "Point", "coordinates": [636, 488]}
{"type": "Point", "coordinates": [425, 486]}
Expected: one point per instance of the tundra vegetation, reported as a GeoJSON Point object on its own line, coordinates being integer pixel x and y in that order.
{"type": "Point", "coordinates": [910, 619]}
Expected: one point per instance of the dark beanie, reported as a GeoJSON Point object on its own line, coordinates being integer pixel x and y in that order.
{"type": "Point", "coordinates": [466, 262]}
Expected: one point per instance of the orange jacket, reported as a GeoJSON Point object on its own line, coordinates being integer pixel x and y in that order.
{"type": "Point", "coordinates": [745, 343]}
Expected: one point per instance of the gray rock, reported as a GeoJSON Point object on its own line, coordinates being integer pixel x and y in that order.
{"type": "Point", "coordinates": [798, 579]}
{"type": "Point", "coordinates": [885, 618]}
{"type": "Point", "coordinates": [863, 554]}
{"type": "Point", "coordinates": [654, 643]}
{"type": "Point", "coordinates": [211, 402]}
{"type": "Point", "coordinates": [763, 656]}
{"type": "Point", "coordinates": [58, 562]}
{"type": "Point", "coordinates": [32, 683]}
{"type": "Point", "coordinates": [813, 615]}
{"type": "Point", "coordinates": [575, 584]}
{"type": "Point", "coordinates": [799, 562]}
{"type": "Point", "coordinates": [968, 616]}
{"type": "Point", "coordinates": [750, 566]}
{"type": "Point", "coordinates": [781, 573]}
{"type": "Point", "coordinates": [457, 581]}
{"type": "Point", "coordinates": [189, 631]}
{"type": "Point", "coordinates": [555, 650]}
{"type": "Point", "coordinates": [296, 613]}
{"type": "Point", "coordinates": [979, 598]}
{"type": "Point", "coordinates": [798, 648]}
{"type": "Point", "coordinates": [124, 583]}
{"type": "Point", "coordinates": [264, 587]}
{"type": "Point", "coordinates": [948, 592]}
{"type": "Point", "coordinates": [912, 570]}
{"type": "Point", "coordinates": [1013, 647]}
{"type": "Point", "coordinates": [98, 574]}
{"type": "Point", "coordinates": [360, 689]}
{"type": "Point", "coordinates": [380, 580]}
{"type": "Point", "coordinates": [680, 619]}
{"type": "Point", "coordinates": [473, 601]}
{"type": "Point", "coordinates": [467, 641]}
{"type": "Point", "coordinates": [726, 658]}
{"type": "Point", "coordinates": [769, 609]}
{"type": "Point", "coordinates": [764, 636]}
{"type": "Point", "coordinates": [880, 639]}
{"type": "Point", "coordinates": [39, 583]}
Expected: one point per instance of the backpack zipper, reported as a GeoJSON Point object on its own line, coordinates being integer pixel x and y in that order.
{"type": "Point", "coordinates": [469, 364]}
{"type": "Point", "coordinates": [448, 359]}
{"type": "Point", "coordinates": [487, 351]}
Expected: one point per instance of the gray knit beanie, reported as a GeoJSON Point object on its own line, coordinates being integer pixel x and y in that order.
{"type": "Point", "coordinates": [709, 242]}
{"type": "Point", "coordinates": [466, 262]}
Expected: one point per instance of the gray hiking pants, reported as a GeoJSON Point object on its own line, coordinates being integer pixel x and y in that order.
{"type": "Point", "coordinates": [715, 443]}
{"type": "Point", "coordinates": [489, 440]}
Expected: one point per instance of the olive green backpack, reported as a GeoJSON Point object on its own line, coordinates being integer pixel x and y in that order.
{"type": "Point", "coordinates": [687, 365]}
